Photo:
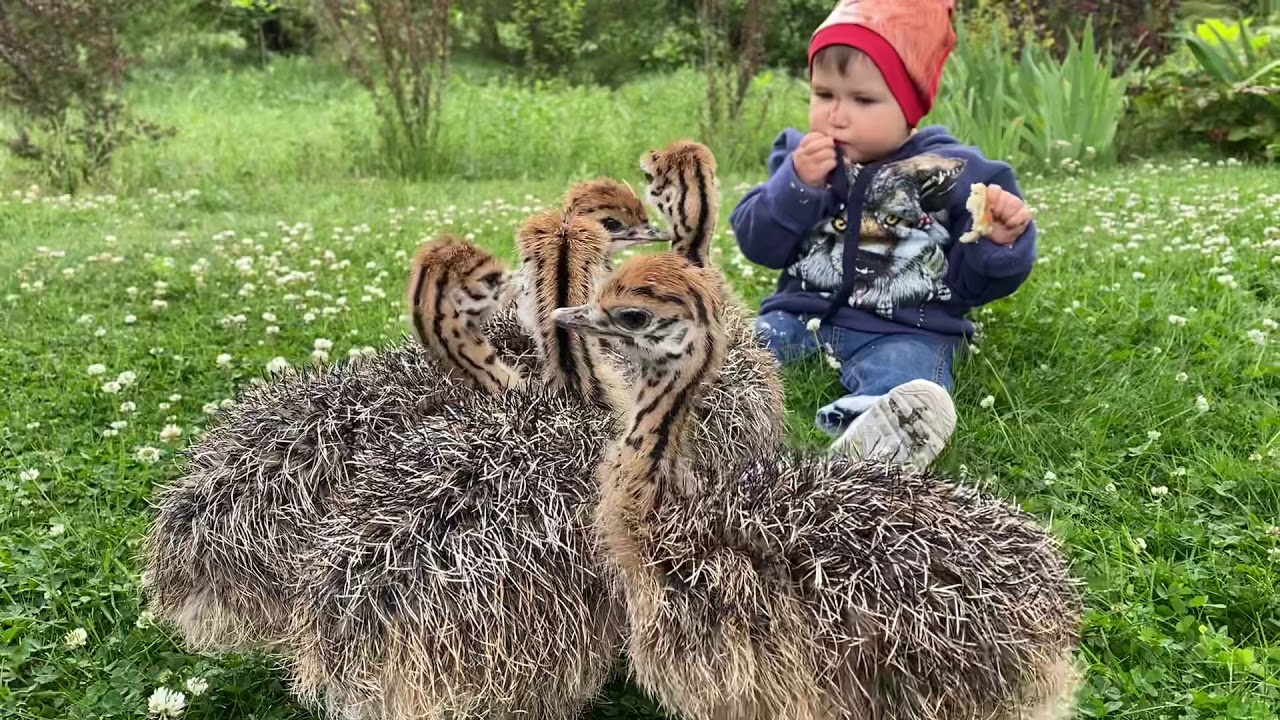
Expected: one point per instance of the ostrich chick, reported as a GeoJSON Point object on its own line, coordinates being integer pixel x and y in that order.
{"type": "Point", "coordinates": [617, 208]}
{"type": "Point", "coordinates": [457, 576]}
{"type": "Point", "coordinates": [802, 586]}
{"type": "Point", "coordinates": [742, 412]}
{"type": "Point", "coordinates": [455, 287]}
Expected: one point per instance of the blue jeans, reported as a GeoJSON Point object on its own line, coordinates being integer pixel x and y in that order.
{"type": "Point", "coordinates": [871, 364]}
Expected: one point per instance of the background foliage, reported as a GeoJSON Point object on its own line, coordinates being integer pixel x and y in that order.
{"type": "Point", "coordinates": [1052, 86]}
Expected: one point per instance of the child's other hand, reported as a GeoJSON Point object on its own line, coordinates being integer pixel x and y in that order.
{"type": "Point", "coordinates": [814, 159]}
{"type": "Point", "coordinates": [1010, 216]}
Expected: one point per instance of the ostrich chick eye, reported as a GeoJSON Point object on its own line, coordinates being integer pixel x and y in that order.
{"type": "Point", "coordinates": [632, 319]}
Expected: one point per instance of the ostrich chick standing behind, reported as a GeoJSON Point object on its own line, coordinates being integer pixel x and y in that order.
{"type": "Point", "coordinates": [741, 413]}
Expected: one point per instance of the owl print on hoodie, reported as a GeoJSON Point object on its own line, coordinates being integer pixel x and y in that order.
{"type": "Point", "coordinates": [901, 260]}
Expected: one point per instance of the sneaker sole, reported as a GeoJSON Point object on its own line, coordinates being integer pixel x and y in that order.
{"type": "Point", "coordinates": [909, 426]}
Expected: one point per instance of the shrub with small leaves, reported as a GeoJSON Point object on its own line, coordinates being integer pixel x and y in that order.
{"type": "Point", "coordinates": [61, 67]}
{"type": "Point", "coordinates": [399, 51]}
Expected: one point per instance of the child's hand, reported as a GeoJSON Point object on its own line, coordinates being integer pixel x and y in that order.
{"type": "Point", "coordinates": [814, 159]}
{"type": "Point", "coordinates": [1010, 216]}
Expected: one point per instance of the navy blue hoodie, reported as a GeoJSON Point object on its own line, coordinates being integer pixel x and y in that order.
{"type": "Point", "coordinates": [912, 273]}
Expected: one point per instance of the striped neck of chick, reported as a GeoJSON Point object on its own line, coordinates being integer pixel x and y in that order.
{"type": "Point", "coordinates": [683, 185]}
{"type": "Point", "coordinates": [666, 316]}
{"type": "Point", "coordinates": [563, 259]}
{"type": "Point", "coordinates": [617, 208]}
{"type": "Point", "coordinates": [453, 287]}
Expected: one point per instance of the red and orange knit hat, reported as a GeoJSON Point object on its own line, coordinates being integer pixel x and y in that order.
{"type": "Point", "coordinates": [908, 40]}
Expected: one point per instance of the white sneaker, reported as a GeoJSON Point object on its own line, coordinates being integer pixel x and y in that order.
{"type": "Point", "coordinates": [909, 426]}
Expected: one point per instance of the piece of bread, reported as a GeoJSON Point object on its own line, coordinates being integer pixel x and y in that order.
{"type": "Point", "coordinates": [977, 207]}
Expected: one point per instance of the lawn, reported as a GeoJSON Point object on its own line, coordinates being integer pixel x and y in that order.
{"type": "Point", "coordinates": [1128, 393]}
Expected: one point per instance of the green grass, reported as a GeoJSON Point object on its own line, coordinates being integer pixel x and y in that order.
{"type": "Point", "coordinates": [305, 121]}
{"type": "Point", "coordinates": [1169, 513]}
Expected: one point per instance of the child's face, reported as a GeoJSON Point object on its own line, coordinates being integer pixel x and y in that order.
{"type": "Point", "coordinates": [857, 109]}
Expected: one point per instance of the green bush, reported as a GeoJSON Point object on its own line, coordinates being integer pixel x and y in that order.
{"type": "Point", "coordinates": [1222, 89]}
{"type": "Point", "coordinates": [611, 41]}
{"type": "Point", "coordinates": [582, 41]}
{"type": "Point", "coordinates": [181, 32]}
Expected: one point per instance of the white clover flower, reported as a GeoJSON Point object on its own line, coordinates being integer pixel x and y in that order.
{"type": "Point", "coordinates": [323, 344]}
{"type": "Point", "coordinates": [1050, 477]}
{"type": "Point", "coordinates": [1177, 320]}
{"type": "Point", "coordinates": [130, 319]}
{"type": "Point", "coordinates": [96, 369]}
{"type": "Point", "coordinates": [223, 360]}
{"type": "Point", "coordinates": [277, 365]}
{"type": "Point", "coordinates": [269, 317]}
{"type": "Point", "coordinates": [1159, 491]}
{"type": "Point", "coordinates": [29, 474]}
{"type": "Point", "coordinates": [126, 378]}
{"type": "Point", "coordinates": [111, 387]}
{"type": "Point", "coordinates": [175, 397]}
{"type": "Point", "coordinates": [147, 455]}
{"type": "Point", "coordinates": [128, 406]}
{"type": "Point", "coordinates": [166, 703]}
{"type": "Point", "coordinates": [319, 356]}
{"type": "Point", "coordinates": [1138, 275]}
{"type": "Point", "coordinates": [209, 408]}
{"type": "Point", "coordinates": [1202, 404]}
{"type": "Point", "coordinates": [1270, 324]}
{"type": "Point", "coordinates": [170, 432]}
{"type": "Point", "coordinates": [159, 305]}
{"type": "Point", "coordinates": [76, 638]}
{"type": "Point", "coordinates": [987, 402]}
{"type": "Point", "coordinates": [197, 686]}
{"type": "Point", "coordinates": [56, 529]}
{"type": "Point", "coordinates": [1139, 544]}
{"type": "Point", "coordinates": [119, 424]}
{"type": "Point", "coordinates": [1257, 337]}
{"type": "Point", "coordinates": [1153, 435]}
{"type": "Point", "coordinates": [273, 330]}
{"type": "Point", "coordinates": [1181, 377]}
